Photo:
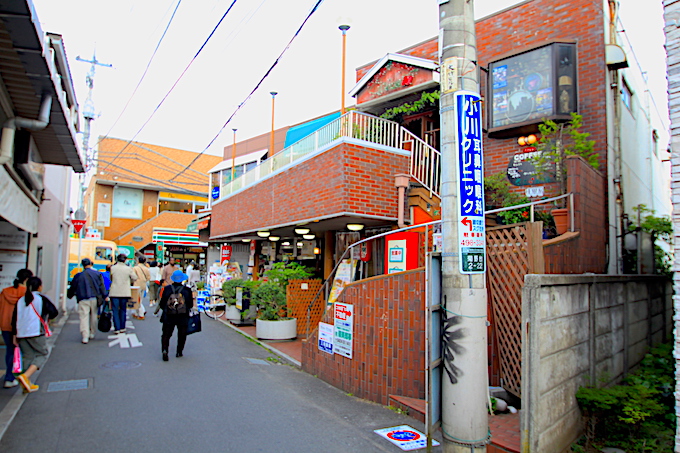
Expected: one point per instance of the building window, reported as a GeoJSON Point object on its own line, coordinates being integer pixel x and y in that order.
{"type": "Point", "coordinates": [627, 96]}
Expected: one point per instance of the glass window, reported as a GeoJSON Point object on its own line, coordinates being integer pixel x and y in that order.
{"type": "Point", "coordinates": [103, 253]}
{"type": "Point", "coordinates": [528, 87]}
{"type": "Point", "coordinates": [626, 95]}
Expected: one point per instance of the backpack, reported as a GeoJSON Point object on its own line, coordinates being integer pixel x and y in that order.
{"type": "Point", "coordinates": [176, 305]}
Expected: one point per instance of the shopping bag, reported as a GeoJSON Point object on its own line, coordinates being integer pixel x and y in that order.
{"type": "Point", "coordinates": [17, 367]}
{"type": "Point", "coordinates": [194, 323]}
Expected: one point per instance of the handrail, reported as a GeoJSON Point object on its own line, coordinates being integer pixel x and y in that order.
{"type": "Point", "coordinates": [434, 222]}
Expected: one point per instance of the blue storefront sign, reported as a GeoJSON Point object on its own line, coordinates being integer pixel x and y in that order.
{"type": "Point", "coordinates": [215, 192]}
{"type": "Point", "coordinates": [471, 228]}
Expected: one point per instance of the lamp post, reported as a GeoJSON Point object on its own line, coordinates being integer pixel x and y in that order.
{"type": "Point", "coordinates": [271, 139]}
{"type": "Point", "coordinates": [344, 29]}
{"type": "Point", "coordinates": [233, 156]}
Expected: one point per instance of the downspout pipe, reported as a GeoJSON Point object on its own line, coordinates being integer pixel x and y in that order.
{"type": "Point", "coordinates": [10, 127]}
{"type": "Point", "coordinates": [401, 182]}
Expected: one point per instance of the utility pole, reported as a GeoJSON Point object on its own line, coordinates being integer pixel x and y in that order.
{"type": "Point", "coordinates": [88, 116]}
{"type": "Point", "coordinates": [465, 425]}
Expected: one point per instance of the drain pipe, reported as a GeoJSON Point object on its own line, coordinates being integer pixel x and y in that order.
{"type": "Point", "coordinates": [10, 127]}
{"type": "Point", "coordinates": [401, 183]}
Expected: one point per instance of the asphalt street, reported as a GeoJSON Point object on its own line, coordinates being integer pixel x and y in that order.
{"type": "Point", "coordinates": [227, 394]}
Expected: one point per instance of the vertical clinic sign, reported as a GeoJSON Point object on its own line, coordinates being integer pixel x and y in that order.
{"type": "Point", "coordinates": [343, 315]}
{"type": "Point", "coordinates": [471, 228]}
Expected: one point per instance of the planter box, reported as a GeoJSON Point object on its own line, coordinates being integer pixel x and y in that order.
{"type": "Point", "coordinates": [232, 313]}
{"type": "Point", "coordinates": [276, 330]}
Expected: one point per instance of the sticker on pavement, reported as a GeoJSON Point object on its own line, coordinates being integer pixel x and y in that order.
{"type": "Point", "coordinates": [405, 437]}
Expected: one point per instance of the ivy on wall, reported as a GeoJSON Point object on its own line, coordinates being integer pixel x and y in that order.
{"type": "Point", "coordinates": [426, 100]}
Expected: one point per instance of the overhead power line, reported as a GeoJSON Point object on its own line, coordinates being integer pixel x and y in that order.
{"type": "Point", "coordinates": [271, 68]}
{"type": "Point", "coordinates": [178, 79]}
{"type": "Point", "coordinates": [148, 65]}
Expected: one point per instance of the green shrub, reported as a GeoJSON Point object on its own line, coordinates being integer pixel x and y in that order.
{"type": "Point", "coordinates": [281, 273]}
{"type": "Point", "coordinates": [270, 299]}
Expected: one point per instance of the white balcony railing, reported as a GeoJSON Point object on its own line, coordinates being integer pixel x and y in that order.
{"type": "Point", "coordinates": [424, 159]}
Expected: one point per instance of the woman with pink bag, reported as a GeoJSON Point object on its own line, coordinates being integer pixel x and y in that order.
{"type": "Point", "coordinates": [8, 300]}
{"type": "Point", "coordinates": [29, 326]}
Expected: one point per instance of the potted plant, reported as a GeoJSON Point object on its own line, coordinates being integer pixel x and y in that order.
{"type": "Point", "coordinates": [273, 319]}
{"type": "Point", "coordinates": [273, 322]}
{"type": "Point", "coordinates": [229, 293]}
{"type": "Point", "coordinates": [559, 141]}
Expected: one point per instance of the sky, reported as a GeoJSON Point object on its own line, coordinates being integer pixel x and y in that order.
{"type": "Point", "coordinates": [253, 34]}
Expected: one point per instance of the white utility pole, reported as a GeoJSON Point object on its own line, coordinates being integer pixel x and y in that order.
{"type": "Point", "coordinates": [465, 425]}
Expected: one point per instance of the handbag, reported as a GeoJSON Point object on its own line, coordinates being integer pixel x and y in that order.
{"type": "Point", "coordinates": [17, 367]}
{"type": "Point", "coordinates": [104, 323]}
{"type": "Point", "coordinates": [46, 327]}
{"type": "Point", "coordinates": [194, 323]}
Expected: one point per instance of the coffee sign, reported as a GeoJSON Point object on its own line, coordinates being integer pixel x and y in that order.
{"type": "Point", "coordinates": [523, 169]}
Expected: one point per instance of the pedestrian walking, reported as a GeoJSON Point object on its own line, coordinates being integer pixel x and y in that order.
{"type": "Point", "coordinates": [88, 287]}
{"type": "Point", "coordinates": [143, 277]}
{"type": "Point", "coordinates": [176, 302]}
{"type": "Point", "coordinates": [107, 278]}
{"type": "Point", "coordinates": [8, 300]}
{"type": "Point", "coordinates": [29, 327]}
{"type": "Point", "coordinates": [154, 282]}
{"type": "Point", "coordinates": [122, 277]}
{"type": "Point", "coordinates": [168, 269]}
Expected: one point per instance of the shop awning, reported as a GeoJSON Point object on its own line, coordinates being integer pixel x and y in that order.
{"type": "Point", "coordinates": [15, 206]}
{"type": "Point", "coordinates": [169, 236]}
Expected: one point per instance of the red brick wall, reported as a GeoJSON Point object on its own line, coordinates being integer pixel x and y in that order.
{"type": "Point", "coordinates": [347, 178]}
{"type": "Point", "coordinates": [389, 340]}
{"type": "Point", "coordinates": [587, 252]}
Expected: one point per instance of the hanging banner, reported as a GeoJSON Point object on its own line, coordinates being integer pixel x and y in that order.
{"type": "Point", "coordinates": [225, 254]}
{"type": "Point", "coordinates": [471, 227]}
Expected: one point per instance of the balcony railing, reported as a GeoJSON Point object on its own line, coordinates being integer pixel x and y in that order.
{"type": "Point", "coordinates": [356, 125]}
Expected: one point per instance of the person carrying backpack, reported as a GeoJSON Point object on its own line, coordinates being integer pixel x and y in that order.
{"type": "Point", "coordinates": [175, 302]}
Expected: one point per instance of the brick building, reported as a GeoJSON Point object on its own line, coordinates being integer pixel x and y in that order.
{"type": "Point", "coordinates": [144, 194]}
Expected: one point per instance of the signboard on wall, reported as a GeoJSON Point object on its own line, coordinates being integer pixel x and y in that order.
{"type": "Point", "coordinates": [471, 225]}
{"type": "Point", "coordinates": [343, 315]}
{"type": "Point", "coordinates": [225, 254]}
{"type": "Point", "coordinates": [396, 252]}
{"type": "Point", "coordinates": [104, 214]}
{"type": "Point", "coordinates": [326, 334]}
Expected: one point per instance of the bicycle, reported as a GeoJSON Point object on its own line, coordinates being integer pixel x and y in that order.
{"type": "Point", "coordinates": [216, 310]}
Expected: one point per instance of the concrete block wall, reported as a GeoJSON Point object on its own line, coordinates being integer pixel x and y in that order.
{"type": "Point", "coordinates": [582, 331]}
{"type": "Point", "coordinates": [389, 340]}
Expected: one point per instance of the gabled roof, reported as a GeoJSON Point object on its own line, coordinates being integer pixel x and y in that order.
{"type": "Point", "coordinates": [152, 167]}
{"type": "Point", "coordinates": [405, 59]}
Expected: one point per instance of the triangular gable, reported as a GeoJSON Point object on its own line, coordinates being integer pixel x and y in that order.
{"type": "Point", "coordinates": [393, 73]}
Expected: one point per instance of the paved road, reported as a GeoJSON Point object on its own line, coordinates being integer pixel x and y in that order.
{"type": "Point", "coordinates": [227, 394]}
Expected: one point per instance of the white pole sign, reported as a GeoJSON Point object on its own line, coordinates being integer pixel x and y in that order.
{"type": "Point", "coordinates": [344, 320]}
{"type": "Point", "coordinates": [471, 228]}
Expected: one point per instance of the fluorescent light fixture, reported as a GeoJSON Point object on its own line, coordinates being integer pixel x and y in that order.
{"type": "Point", "coordinates": [263, 234]}
{"type": "Point", "coordinates": [274, 238]}
{"type": "Point", "coordinates": [355, 226]}
{"type": "Point", "coordinates": [285, 244]}
{"type": "Point", "coordinates": [245, 240]}
{"type": "Point", "coordinates": [309, 237]}
{"type": "Point", "coordinates": [299, 245]}
{"type": "Point", "coordinates": [301, 230]}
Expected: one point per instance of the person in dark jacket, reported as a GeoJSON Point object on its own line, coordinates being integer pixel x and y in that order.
{"type": "Point", "coordinates": [171, 320]}
{"type": "Point", "coordinates": [86, 286]}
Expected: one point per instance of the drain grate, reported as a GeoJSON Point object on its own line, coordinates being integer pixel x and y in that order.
{"type": "Point", "coordinates": [64, 386]}
{"type": "Point", "coordinates": [256, 361]}
{"type": "Point", "coordinates": [120, 365]}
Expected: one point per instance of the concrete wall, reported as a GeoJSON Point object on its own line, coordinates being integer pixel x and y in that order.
{"type": "Point", "coordinates": [577, 331]}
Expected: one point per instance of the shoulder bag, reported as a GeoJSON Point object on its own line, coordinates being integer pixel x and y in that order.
{"type": "Point", "coordinates": [104, 323]}
{"type": "Point", "coordinates": [46, 327]}
{"type": "Point", "coordinates": [194, 322]}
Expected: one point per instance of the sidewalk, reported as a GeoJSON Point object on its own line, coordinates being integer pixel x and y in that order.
{"type": "Point", "coordinates": [505, 430]}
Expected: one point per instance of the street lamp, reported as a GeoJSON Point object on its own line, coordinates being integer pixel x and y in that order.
{"type": "Point", "coordinates": [344, 29]}
{"type": "Point", "coordinates": [271, 139]}
{"type": "Point", "coordinates": [233, 156]}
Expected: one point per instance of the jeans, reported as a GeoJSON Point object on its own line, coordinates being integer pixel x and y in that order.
{"type": "Point", "coordinates": [9, 355]}
{"type": "Point", "coordinates": [119, 305]}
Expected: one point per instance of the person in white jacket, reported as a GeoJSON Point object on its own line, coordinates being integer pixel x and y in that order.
{"type": "Point", "coordinates": [28, 326]}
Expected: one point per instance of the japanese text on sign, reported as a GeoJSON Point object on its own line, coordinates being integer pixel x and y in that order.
{"type": "Point", "coordinates": [471, 228]}
{"type": "Point", "coordinates": [343, 329]}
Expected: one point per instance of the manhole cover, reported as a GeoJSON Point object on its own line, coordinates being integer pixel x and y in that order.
{"type": "Point", "coordinates": [120, 365]}
{"type": "Point", "coordinates": [63, 386]}
{"type": "Point", "coordinates": [256, 361]}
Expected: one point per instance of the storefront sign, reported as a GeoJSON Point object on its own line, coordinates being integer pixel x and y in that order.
{"type": "Point", "coordinates": [343, 315]}
{"type": "Point", "coordinates": [471, 227]}
{"type": "Point", "coordinates": [397, 256]}
{"type": "Point", "coordinates": [525, 170]}
{"type": "Point", "coordinates": [326, 333]}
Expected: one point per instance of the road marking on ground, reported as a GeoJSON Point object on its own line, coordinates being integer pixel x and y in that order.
{"type": "Point", "coordinates": [125, 340]}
